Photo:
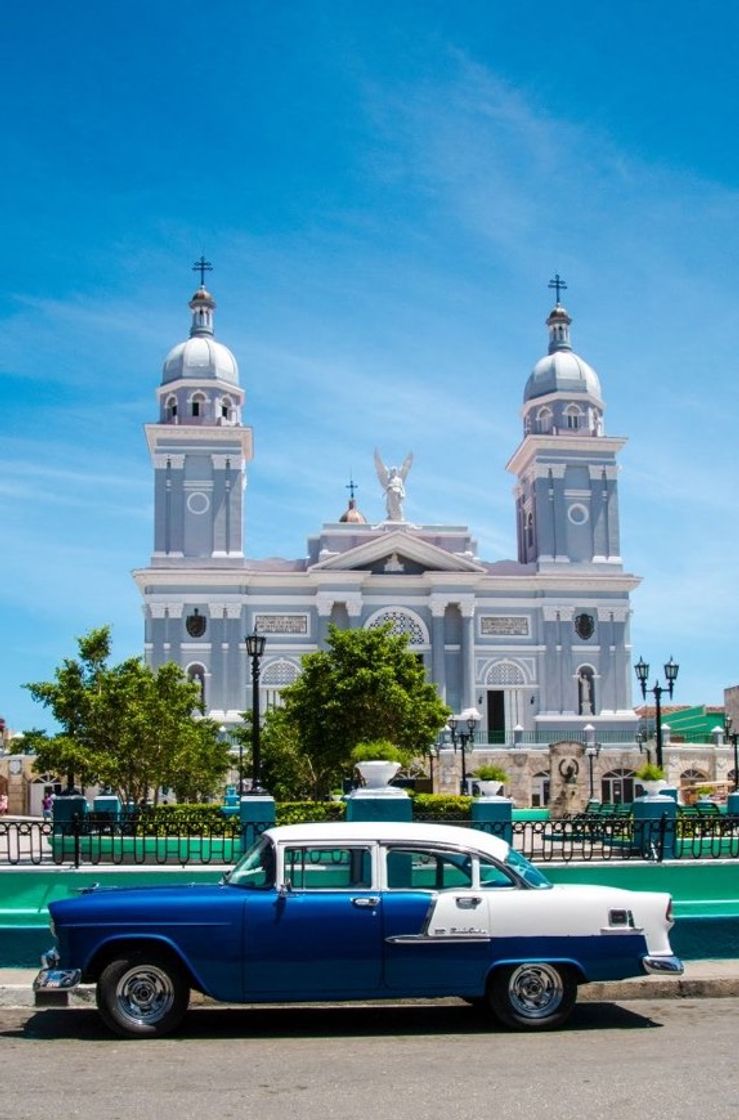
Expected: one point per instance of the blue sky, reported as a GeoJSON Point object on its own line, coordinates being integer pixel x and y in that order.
{"type": "Point", "coordinates": [385, 190]}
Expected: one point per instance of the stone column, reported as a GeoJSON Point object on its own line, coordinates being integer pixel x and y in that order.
{"type": "Point", "coordinates": [438, 643]}
{"type": "Point", "coordinates": [324, 606]}
{"type": "Point", "coordinates": [467, 610]}
{"type": "Point", "coordinates": [354, 610]}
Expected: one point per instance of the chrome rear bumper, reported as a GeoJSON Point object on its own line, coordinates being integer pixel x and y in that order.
{"type": "Point", "coordinates": [660, 966]}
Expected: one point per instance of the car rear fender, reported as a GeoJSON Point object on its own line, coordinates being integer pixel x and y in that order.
{"type": "Point", "coordinates": [575, 968]}
{"type": "Point", "coordinates": [114, 947]}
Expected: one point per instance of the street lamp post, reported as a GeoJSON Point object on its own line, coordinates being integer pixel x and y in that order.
{"type": "Point", "coordinates": [471, 717]}
{"type": "Point", "coordinates": [733, 737]}
{"type": "Point", "coordinates": [592, 753]}
{"type": "Point", "coordinates": [642, 675]}
{"type": "Point", "coordinates": [255, 644]}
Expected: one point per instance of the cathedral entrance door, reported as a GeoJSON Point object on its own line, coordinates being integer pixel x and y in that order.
{"type": "Point", "coordinates": [496, 716]}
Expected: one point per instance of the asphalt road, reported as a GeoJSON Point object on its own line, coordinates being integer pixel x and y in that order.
{"type": "Point", "coordinates": [651, 1060]}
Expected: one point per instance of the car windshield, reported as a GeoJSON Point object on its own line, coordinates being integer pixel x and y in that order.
{"type": "Point", "coordinates": [256, 868]}
{"type": "Point", "coordinates": [531, 875]}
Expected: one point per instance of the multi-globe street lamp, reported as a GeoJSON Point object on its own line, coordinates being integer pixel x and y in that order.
{"type": "Point", "coordinates": [642, 675]}
{"type": "Point", "coordinates": [733, 737]}
{"type": "Point", "coordinates": [255, 644]}
{"type": "Point", "coordinates": [470, 718]}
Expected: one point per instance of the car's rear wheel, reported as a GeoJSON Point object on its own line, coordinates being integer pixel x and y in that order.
{"type": "Point", "coordinates": [142, 995]}
{"type": "Point", "coordinates": [532, 996]}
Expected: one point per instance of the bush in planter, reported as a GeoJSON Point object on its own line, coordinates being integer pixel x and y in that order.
{"type": "Point", "coordinates": [490, 773]}
{"type": "Point", "coordinates": [649, 772]}
{"type": "Point", "coordinates": [379, 750]}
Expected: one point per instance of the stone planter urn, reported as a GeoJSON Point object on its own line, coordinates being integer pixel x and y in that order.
{"type": "Point", "coordinates": [653, 788]}
{"type": "Point", "coordinates": [377, 775]}
{"type": "Point", "coordinates": [489, 788]}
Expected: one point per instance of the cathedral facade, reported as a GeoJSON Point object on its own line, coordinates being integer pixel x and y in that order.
{"type": "Point", "coordinates": [539, 645]}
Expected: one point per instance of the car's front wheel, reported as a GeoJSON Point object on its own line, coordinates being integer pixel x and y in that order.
{"type": "Point", "coordinates": [142, 995]}
{"type": "Point", "coordinates": [532, 996]}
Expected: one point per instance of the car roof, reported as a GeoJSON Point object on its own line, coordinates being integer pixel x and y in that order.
{"type": "Point", "coordinates": [387, 831]}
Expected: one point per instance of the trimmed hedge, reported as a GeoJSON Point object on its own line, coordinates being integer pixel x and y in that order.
{"type": "Point", "coordinates": [441, 807]}
{"type": "Point", "coordinates": [204, 818]}
{"type": "Point", "coordinates": [305, 812]}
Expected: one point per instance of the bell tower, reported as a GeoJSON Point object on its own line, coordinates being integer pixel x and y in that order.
{"type": "Point", "coordinates": [199, 447]}
{"type": "Point", "coordinates": [567, 492]}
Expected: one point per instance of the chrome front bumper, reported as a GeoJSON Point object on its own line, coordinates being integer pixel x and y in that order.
{"type": "Point", "coordinates": [660, 966]}
{"type": "Point", "coordinates": [51, 978]}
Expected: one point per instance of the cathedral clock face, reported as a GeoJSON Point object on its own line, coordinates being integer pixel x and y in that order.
{"type": "Point", "coordinates": [195, 625]}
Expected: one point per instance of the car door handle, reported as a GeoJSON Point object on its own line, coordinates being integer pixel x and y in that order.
{"type": "Point", "coordinates": [366, 901]}
{"type": "Point", "coordinates": [469, 903]}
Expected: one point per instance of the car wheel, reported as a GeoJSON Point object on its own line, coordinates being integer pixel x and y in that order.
{"type": "Point", "coordinates": [532, 996]}
{"type": "Point", "coordinates": [143, 995]}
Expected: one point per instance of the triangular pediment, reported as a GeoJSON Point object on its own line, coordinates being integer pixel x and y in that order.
{"type": "Point", "coordinates": [395, 554]}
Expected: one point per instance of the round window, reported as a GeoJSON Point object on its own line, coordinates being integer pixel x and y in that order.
{"type": "Point", "coordinates": [197, 502]}
{"type": "Point", "coordinates": [578, 514]}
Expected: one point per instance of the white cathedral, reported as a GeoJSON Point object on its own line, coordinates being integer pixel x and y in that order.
{"type": "Point", "coordinates": [538, 645]}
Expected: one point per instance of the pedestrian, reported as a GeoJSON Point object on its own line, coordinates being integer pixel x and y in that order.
{"type": "Point", "coordinates": [46, 805]}
{"type": "Point", "coordinates": [3, 804]}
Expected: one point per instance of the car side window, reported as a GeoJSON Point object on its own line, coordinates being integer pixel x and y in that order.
{"type": "Point", "coordinates": [427, 869]}
{"type": "Point", "coordinates": [493, 875]}
{"type": "Point", "coordinates": [321, 868]}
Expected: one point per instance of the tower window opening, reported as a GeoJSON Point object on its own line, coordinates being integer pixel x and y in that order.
{"type": "Point", "coordinates": [573, 417]}
{"type": "Point", "coordinates": [197, 405]}
{"type": "Point", "coordinates": [171, 408]}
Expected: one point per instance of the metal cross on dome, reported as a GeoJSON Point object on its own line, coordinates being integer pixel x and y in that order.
{"type": "Point", "coordinates": [558, 284]}
{"type": "Point", "coordinates": [351, 487]}
{"type": "Point", "coordinates": [202, 266]}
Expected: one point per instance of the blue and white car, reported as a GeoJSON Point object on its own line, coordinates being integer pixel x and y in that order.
{"type": "Point", "coordinates": [354, 912]}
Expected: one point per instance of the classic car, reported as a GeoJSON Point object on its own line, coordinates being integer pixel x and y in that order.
{"type": "Point", "coordinates": [355, 912]}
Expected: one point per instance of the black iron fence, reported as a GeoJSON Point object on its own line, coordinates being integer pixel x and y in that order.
{"type": "Point", "coordinates": [587, 837]}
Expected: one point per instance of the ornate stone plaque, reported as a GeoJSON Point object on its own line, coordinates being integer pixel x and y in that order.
{"type": "Point", "coordinates": [282, 623]}
{"type": "Point", "coordinates": [510, 625]}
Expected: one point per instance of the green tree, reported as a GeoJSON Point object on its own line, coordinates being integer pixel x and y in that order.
{"type": "Point", "coordinates": [366, 685]}
{"type": "Point", "coordinates": [285, 770]}
{"type": "Point", "coordinates": [128, 726]}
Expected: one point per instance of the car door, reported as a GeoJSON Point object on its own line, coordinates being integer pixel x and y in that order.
{"type": "Point", "coordinates": [421, 956]}
{"type": "Point", "coordinates": [320, 934]}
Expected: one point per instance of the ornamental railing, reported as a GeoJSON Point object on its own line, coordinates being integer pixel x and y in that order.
{"type": "Point", "coordinates": [583, 838]}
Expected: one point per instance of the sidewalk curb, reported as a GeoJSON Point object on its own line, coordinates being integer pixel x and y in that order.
{"type": "Point", "coordinates": [18, 996]}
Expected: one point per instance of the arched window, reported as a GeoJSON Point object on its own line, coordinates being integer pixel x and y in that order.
{"type": "Point", "coordinates": [403, 622]}
{"type": "Point", "coordinates": [505, 673]}
{"type": "Point", "coordinates": [540, 789]}
{"type": "Point", "coordinates": [170, 409]}
{"type": "Point", "coordinates": [544, 420]}
{"type": "Point", "coordinates": [617, 787]}
{"type": "Point", "coordinates": [585, 690]}
{"type": "Point", "coordinates": [530, 530]}
{"type": "Point", "coordinates": [226, 408]}
{"type": "Point", "coordinates": [573, 416]}
{"type": "Point", "coordinates": [196, 673]}
{"type": "Point", "coordinates": [276, 676]}
{"type": "Point", "coordinates": [197, 405]}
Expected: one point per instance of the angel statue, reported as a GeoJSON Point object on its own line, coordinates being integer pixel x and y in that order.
{"type": "Point", "coordinates": [392, 482]}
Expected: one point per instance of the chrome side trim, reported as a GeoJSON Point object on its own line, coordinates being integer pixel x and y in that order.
{"type": "Point", "coordinates": [57, 979]}
{"type": "Point", "coordinates": [659, 965]}
{"type": "Point", "coordinates": [438, 939]}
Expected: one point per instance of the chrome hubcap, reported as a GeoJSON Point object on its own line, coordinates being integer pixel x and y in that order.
{"type": "Point", "coordinates": [144, 994]}
{"type": "Point", "coordinates": [535, 990]}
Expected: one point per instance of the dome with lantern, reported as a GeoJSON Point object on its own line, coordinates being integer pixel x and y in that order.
{"type": "Point", "coordinates": [200, 357]}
